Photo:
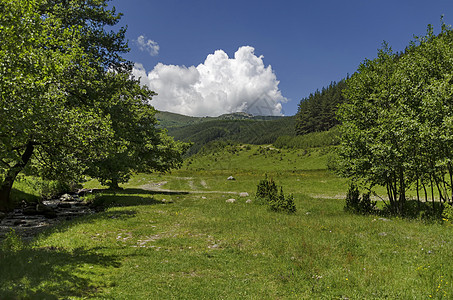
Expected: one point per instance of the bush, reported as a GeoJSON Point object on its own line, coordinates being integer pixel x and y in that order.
{"type": "Point", "coordinates": [447, 214]}
{"type": "Point", "coordinates": [267, 193]}
{"type": "Point", "coordinates": [357, 204]}
{"type": "Point", "coordinates": [12, 243]}
{"type": "Point", "coordinates": [265, 190]}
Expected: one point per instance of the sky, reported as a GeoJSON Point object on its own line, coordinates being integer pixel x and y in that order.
{"type": "Point", "coordinates": [210, 57]}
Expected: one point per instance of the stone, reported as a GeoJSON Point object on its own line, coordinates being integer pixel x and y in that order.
{"type": "Point", "coordinates": [231, 178]}
{"type": "Point", "coordinates": [230, 200]}
{"type": "Point", "coordinates": [83, 192]}
{"type": "Point", "coordinates": [30, 211]}
{"type": "Point", "coordinates": [64, 205]}
{"type": "Point", "coordinates": [2, 215]}
{"type": "Point", "coordinates": [66, 198]}
{"type": "Point", "coordinates": [46, 211]}
{"type": "Point", "coordinates": [248, 201]}
{"type": "Point", "coordinates": [244, 194]}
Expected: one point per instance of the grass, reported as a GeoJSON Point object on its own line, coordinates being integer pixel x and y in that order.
{"type": "Point", "coordinates": [200, 247]}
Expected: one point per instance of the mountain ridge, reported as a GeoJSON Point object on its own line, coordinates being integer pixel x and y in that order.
{"type": "Point", "coordinates": [170, 120]}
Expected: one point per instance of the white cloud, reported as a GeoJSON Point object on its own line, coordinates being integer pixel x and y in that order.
{"type": "Point", "coordinates": [149, 46]}
{"type": "Point", "coordinates": [219, 85]}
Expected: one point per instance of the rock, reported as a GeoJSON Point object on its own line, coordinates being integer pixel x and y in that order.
{"type": "Point", "coordinates": [66, 198]}
{"type": "Point", "coordinates": [64, 205]}
{"type": "Point", "coordinates": [244, 194]}
{"type": "Point", "coordinates": [248, 201]}
{"type": "Point", "coordinates": [230, 200]}
{"type": "Point", "coordinates": [83, 192]}
{"type": "Point", "coordinates": [50, 214]}
{"type": "Point", "coordinates": [204, 198]}
{"type": "Point", "coordinates": [2, 215]}
{"type": "Point", "coordinates": [384, 220]}
{"type": "Point", "coordinates": [46, 211]}
{"type": "Point", "coordinates": [167, 201]}
{"type": "Point", "coordinates": [30, 211]}
{"type": "Point", "coordinates": [231, 178]}
{"type": "Point", "coordinates": [19, 222]}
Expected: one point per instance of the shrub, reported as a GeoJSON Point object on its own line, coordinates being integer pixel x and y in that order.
{"type": "Point", "coordinates": [447, 214]}
{"type": "Point", "coordinates": [267, 193]}
{"type": "Point", "coordinates": [11, 243]}
{"type": "Point", "coordinates": [357, 204]}
{"type": "Point", "coordinates": [266, 189]}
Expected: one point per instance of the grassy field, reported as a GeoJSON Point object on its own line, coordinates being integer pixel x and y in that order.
{"type": "Point", "coordinates": [174, 237]}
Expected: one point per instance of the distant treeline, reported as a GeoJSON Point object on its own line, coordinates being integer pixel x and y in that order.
{"type": "Point", "coordinates": [310, 140]}
{"type": "Point", "coordinates": [317, 112]}
{"type": "Point", "coordinates": [256, 132]}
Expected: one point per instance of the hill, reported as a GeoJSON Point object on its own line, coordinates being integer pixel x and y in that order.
{"type": "Point", "coordinates": [170, 120]}
{"type": "Point", "coordinates": [256, 132]}
{"type": "Point", "coordinates": [238, 127]}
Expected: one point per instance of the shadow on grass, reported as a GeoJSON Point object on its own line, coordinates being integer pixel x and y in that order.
{"type": "Point", "coordinates": [54, 273]}
{"type": "Point", "coordinates": [130, 197]}
{"type": "Point", "coordinates": [51, 273]}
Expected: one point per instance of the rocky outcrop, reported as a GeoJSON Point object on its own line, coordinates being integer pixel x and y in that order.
{"type": "Point", "coordinates": [32, 218]}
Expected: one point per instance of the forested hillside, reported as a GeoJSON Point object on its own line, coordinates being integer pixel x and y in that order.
{"type": "Point", "coordinates": [317, 112]}
{"type": "Point", "coordinates": [256, 130]}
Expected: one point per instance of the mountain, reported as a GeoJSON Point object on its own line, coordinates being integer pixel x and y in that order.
{"type": "Point", "coordinates": [237, 127]}
{"type": "Point", "coordinates": [170, 120]}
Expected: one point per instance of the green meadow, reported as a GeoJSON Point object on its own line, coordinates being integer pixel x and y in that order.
{"type": "Point", "coordinates": [174, 236]}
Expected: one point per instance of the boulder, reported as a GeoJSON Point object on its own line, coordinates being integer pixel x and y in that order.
{"type": "Point", "coordinates": [64, 205]}
{"type": "Point", "coordinates": [248, 201]}
{"type": "Point", "coordinates": [244, 194]}
{"type": "Point", "coordinates": [30, 211]}
{"type": "Point", "coordinates": [231, 178]}
{"type": "Point", "coordinates": [230, 200]}
{"type": "Point", "coordinates": [46, 211]}
{"type": "Point", "coordinates": [67, 198]}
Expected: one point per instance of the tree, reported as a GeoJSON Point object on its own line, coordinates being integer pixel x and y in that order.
{"type": "Point", "coordinates": [66, 91]}
{"type": "Point", "coordinates": [138, 145]}
{"type": "Point", "coordinates": [396, 122]}
{"type": "Point", "coordinates": [317, 112]}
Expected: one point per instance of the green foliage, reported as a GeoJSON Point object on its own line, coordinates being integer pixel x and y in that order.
{"type": "Point", "coordinates": [11, 243]}
{"type": "Point", "coordinates": [447, 214]}
{"type": "Point", "coordinates": [317, 112]}
{"type": "Point", "coordinates": [69, 103]}
{"type": "Point", "coordinates": [267, 193]}
{"type": "Point", "coordinates": [397, 122]}
{"type": "Point", "coordinates": [357, 204]}
{"type": "Point", "coordinates": [309, 140]}
{"type": "Point", "coordinates": [257, 130]}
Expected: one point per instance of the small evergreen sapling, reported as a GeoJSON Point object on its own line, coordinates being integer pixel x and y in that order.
{"type": "Point", "coordinates": [357, 204]}
{"type": "Point", "coordinates": [267, 193]}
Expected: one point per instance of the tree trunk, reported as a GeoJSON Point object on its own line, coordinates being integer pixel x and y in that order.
{"type": "Point", "coordinates": [7, 184]}
{"type": "Point", "coordinates": [5, 191]}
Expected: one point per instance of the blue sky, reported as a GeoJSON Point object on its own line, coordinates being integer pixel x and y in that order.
{"type": "Point", "coordinates": [301, 45]}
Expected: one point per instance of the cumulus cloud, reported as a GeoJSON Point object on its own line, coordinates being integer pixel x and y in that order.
{"type": "Point", "coordinates": [149, 46]}
{"type": "Point", "coordinates": [219, 85]}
